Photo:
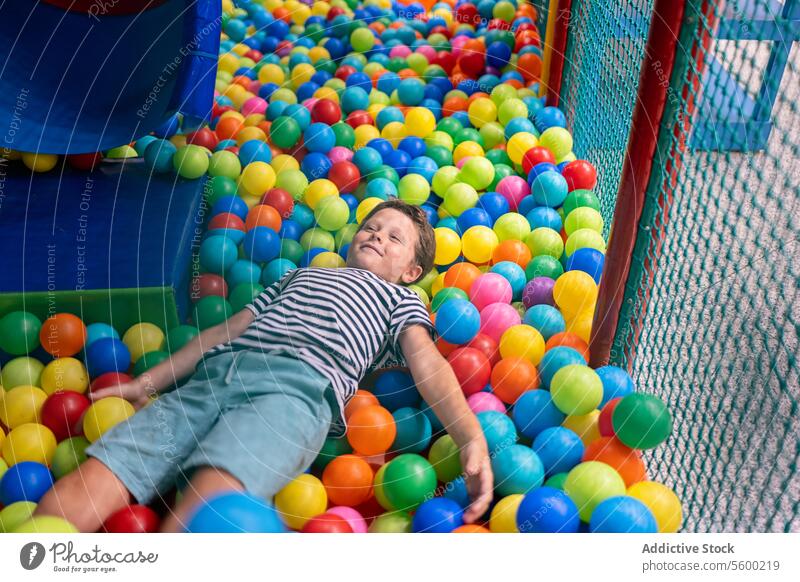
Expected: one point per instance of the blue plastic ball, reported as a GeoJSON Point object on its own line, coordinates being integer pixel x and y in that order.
{"type": "Point", "coordinates": [541, 169]}
{"type": "Point", "coordinates": [424, 166]}
{"type": "Point", "coordinates": [242, 271]}
{"type": "Point", "coordinates": [413, 146]}
{"type": "Point", "coordinates": [437, 515]}
{"type": "Point", "coordinates": [316, 165]}
{"type": "Point", "coordinates": [388, 115]}
{"type": "Point", "coordinates": [413, 431]}
{"type": "Point", "coordinates": [262, 244]}
{"type": "Point", "coordinates": [96, 331]}
{"type": "Point", "coordinates": [549, 117]}
{"type": "Point", "coordinates": [25, 481]}
{"type": "Point", "coordinates": [254, 150]}
{"type": "Point", "coordinates": [382, 146]}
{"type": "Point", "coordinates": [217, 254]}
{"type": "Point", "coordinates": [514, 274]}
{"type": "Point", "coordinates": [275, 270]}
{"type": "Point", "coordinates": [555, 359]}
{"type": "Point", "coordinates": [457, 491]}
{"type": "Point", "coordinates": [411, 91]}
{"type": "Point", "coordinates": [319, 137]}
{"type": "Point", "coordinates": [231, 204]}
{"type": "Point", "coordinates": [474, 217]}
{"type": "Point", "coordinates": [589, 261]}
{"type": "Point", "coordinates": [395, 389]}
{"type": "Point", "coordinates": [549, 189]}
{"type": "Point", "coordinates": [559, 448]}
{"type": "Point", "coordinates": [545, 318]}
{"type": "Point", "coordinates": [457, 321]}
{"type": "Point", "coordinates": [237, 512]}
{"type": "Point", "coordinates": [534, 411]}
{"type": "Point", "coordinates": [543, 217]}
{"type": "Point", "coordinates": [498, 54]}
{"type": "Point", "coordinates": [290, 229]}
{"type": "Point", "coordinates": [495, 204]}
{"type": "Point", "coordinates": [367, 160]}
{"type": "Point", "coordinates": [517, 469]}
{"type": "Point", "coordinates": [107, 355]}
{"type": "Point", "coordinates": [158, 156]}
{"type": "Point", "coordinates": [498, 429]}
{"type": "Point", "coordinates": [547, 510]}
{"type": "Point", "coordinates": [303, 216]}
{"type": "Point", "coordinates": [617, 383]}
{"type": "Point", "coordinates": [381, 188]}
{"type": "Point", "coordinates": [622, 514]}
{"type": "Point", "coordinates": [354, 99]}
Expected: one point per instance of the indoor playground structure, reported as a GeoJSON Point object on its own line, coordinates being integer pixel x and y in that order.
{"type": "Point", "coordinates": [614, 188]}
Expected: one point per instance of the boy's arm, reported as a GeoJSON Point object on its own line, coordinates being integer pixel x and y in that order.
{"type": "Point", "coordinates": [439, 387]}
{"type": "Point", "coordinates": [180, 364]}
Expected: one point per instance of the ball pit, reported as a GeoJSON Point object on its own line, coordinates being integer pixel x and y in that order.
{"type": "Point", "coordinates": [311, 129]}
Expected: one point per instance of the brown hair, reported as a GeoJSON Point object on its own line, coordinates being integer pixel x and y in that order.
{"type": "Point", "coordinates": [426, 240]}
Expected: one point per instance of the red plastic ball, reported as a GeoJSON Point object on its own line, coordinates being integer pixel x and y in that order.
{"type": "Point", "coordinates": [280, 200]}
{"type": "Point", "coordinates": [254, 55]}
{"type": "Point", "coordinates": [357, 118]}
{"type": "Point", "coordinates": [109, 379]}
{"type": "Point", "coordinates": [133, 519]}
{"type": "Point", "coordinates": [208, 284]}
{"type": "Point", "coordinates": [472, 369]}
{"type": "Point", "coordinates": [203, 137]}
{"type": "Point", "coordinates": [86, 162]}
{"type": "Point", "coordinates": [345, 175]}
{"type": "Point", "coordinates": [472, 64]}
{"type": "Point", "coordinates": [226, 220]}
{"type": "Point", "coordinates": [468, 14]}
{"type": "Point", "coordinates": [327, 523]}
{"type": "Point", "coordinates": [334, 12]}
{"type": "Point", "coordinates": [604, 420]}
{"type": "Point", "coordinates": [344, 71]}
{"type": "Point", "coordinates": [62, 413]}
{"type": "Point", "coordinates": [446, 60]}
{"type": "Point", "coordinates": [580, 175]}
{"type": "Point", "coordinates": [326, 111]}
{"type": "Point", "coordinates": [498, 24]}
{"type": "Point", "coordinates": [487, 346]}
{"type": "Point", "coordinates": [537, 155]}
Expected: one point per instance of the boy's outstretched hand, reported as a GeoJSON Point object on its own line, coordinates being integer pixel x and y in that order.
{"type": "Point", "coordinates": [478, 475]}
{"type": "Point", "coordinates": [135, 392]}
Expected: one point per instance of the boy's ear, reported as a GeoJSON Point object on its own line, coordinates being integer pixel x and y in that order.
{"type": "Point", "coordinates": [412, 274]}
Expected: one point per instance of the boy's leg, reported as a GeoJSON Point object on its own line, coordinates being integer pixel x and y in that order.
{"type": "Point", "coordinates": [206, 483]}
{"type": "Point", "coordinates": [86, 497]}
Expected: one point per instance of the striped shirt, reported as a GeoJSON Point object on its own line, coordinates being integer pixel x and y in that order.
{"type": "Point", "coordinates": [345, 322]}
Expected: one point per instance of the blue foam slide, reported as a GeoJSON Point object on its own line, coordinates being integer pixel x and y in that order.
{"type": "Point", "coordinates": [86, 80]}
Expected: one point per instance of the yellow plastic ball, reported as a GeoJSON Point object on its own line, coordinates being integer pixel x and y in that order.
{"type": "Point", "coordinates": [585, 426]}
{"type": "Point", "coordinates": [448, 246]}
{"type": "Point", "coordinates": [581, 325]}
{"type": "Point", "coordinates": [328, 260]}
{"type": "Point", "coordinates": [662, 502]}
{"type": "Point", "coordinates": [522, 341]}
{"type": "Point", "coordinates": [284, 162]}
{"type": "Point", "coordinates": [503, 518]}
{"type": "Point", "coordinates": [29, 442]}
{"type": "Point", "coordinates": [329, 93]}
{"type": "Point", "coordinates": [574, 292]}
{"type": "Point", "coordinates": [302, 73]}
{"type": "Point", "coordinates": [482, 111]}
{"type": "Point", "coordinates": [45, 524]}
{"type": "Point", "coordinates": [319, 189]}
{"type": "Point", "coordinates": [104, 415]}
{"type": "Point", "coordinates": [558, 140]}
{"type": "Point", "coordinates": [478, 243]}
{"type": "Point", "coordinates": [250, 133]}
{"type": "Point", "coordinates": [142, 338]}
{"type": "Point", "coordinates": [519, 144]}
{"type": "Point", "coordinates": [65, 374]}
{"type": "Point", "coordinates": [364, 134]}
{"type": "Point", "coordinates": [256, 178]}
{"type": "Point", "coordinates": [270, 73]}
{"type": "Point", "coordinates": [365, 207]}
{"type": "Point", "coordinates": [584, 238]}
{"type": "Point", "coordinates": [438, 284]}
{"type": "Point", "coordinates": [300, 500]}
{"type": "Point", "coordinates": [440, 138]}
{"type": "Point", "coordinates": [394, 132]}
{"type": "Point", "coordinates": [229, 63]}
{"type": "Point", "coordinates": [420, 122]}
{"type": "Point", "coordinates": [21, 405]}
{"type": "Point", "coordinates": [467, 149]}
{"type": "Point", "coordinates": [39, 162]}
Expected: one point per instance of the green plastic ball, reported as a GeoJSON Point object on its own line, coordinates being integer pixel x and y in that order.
{"type": "Point", "coordinates": [224, 163]}
{"type": "Point", "coordinates": [331, 449]}
{"type": "Point", "coordinates": [583, 217]}
{"type": "Point", "coordinates": [344, 236]}
{"type": "Point", "coordinates": [218, 187]}
{"type": "Point", "coordinates": [591, 483]}
{"type": "Point", "coordinates": [19, 332]}
{"type": "Point", "coordinates": [409, 481]}
{"type": "Point", "coordinates": [392, 522]}
{"type": "Point", "coordinates": [414, 189]}
{"type": "Point", "coordinates": [179, 336]}
{"type": "Point", "coordinates": [291, 250]}
{"type": "Point", "coordinates": [585, 238]}
{"type": "Point", "coordinates": [511, 109]}
{"type": "Point", "coordinates": [444, 456]}
{"type": "Point", "coordinates": [243, 294]}
{"type": "Point", "coordinates": [45, 524]}
{"type": "Point", "coordinates": [15, 515]}
{"type": "Point", "coordinates": [459, 197]}
{"type": "Point", "coordinates": [556, 481]}
{"type": "Point", "coordinates": [444, 178]}
{"type": "Point", "coordinates": [477, 173]}
{"type": "Point", "coordinates": [69, 455]}
{"type": "Point", "coordinates": [500, 172]}
{"type": "Point", "coordinates": [210, 311]}
{"type": "Point", "coordinates": [22, 371]}
{"type": "Point", "coordinates": [315, 238]}
{"type": "Point", "coordinates": [492, 134]}
{"type": "Point", "coordinates": [511, 226]}
{"type": "Point", "coordinates": [545, 241]}
{"type": "Point", "coordinates": [446, 294]}
{"type": "Point", "coordinates": [362, 40]}
{"type": "Point", "coordinates": [148, 360]}
{"type": "Point", "coordinates": [641, 421]}
{"type": "Point", "coordinates": [332, 213]}
{"type": "Point", "coordinates": [285, 131]}
{"type": "Point", "coordinates": [345, 135]}
{"type": "Point", "coordinates": [190, 161]}
{"type": "Point", "coordinates": [544, 266]}
{"type": "Point", "coordinates": [294, 182]}
{"type": "Point", "coordinates": [576, 389]}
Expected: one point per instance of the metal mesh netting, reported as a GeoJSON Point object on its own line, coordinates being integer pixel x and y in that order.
{"type": "Point", "coordinates": [711, 312]}
{"type": "Point", "coordinates": [605, 47]}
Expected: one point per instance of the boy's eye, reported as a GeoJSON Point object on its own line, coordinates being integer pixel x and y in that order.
{"type": "Point", "coordinates": [395, 238]}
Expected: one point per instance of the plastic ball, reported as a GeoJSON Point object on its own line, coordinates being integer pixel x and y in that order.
{"type": "Point", "coordinates": [300, 500]}
{"type": "Point", "coordinates": [392, 522]}
{"type": "Point", "coordinates": [585, 426]}
{"type": "Point", "coordinates": [190, 161]}
{"type": "Point", "coordinates": [483, 401]}
{"type": "Point", "coordinates": [662, 502]}
{"type": "Point", "coordinates": [511, 377]}
{"type": "Point", "coordinates": [132, 519]}
{"type": "Point", "coordinates": [503, 518]}
{"type": "Point", "coordinates": [217, 254]}
{"type": "Point", "coordinates": [457, 321]}
{"type": "Point", "coordinates": [143, 337]}
{"type": "Point", "coordinates": [21, 405]}
{"type": "Point", "coordinates": [235, 512]}
{"type": "Point", "coordinates": [62, 334]}
{"type": "Point", "coordinates": [574, 292]}
{"type": "Point", "coordinates": [497, 318]}
{"type": "Point", "coordinates": [522, 341]}
{"type": "Point", "coordinates": [69, 455]}
{"type": "Point", "coordinates": [437, 515]}
{"type": "Point", "coordinates": [517, 469]}
{"type": "Point", "coordinates": [15, 514]}
{"type": "Point", "coordinates": [478, 244]}
{"type": "Point", "coordinates": [327, 523]}
{"type": "Point", "coordinates": [62, 412]}
{"type": "Point", "coordinates": [420, 122]}
{"type": "Point", "coordinates": [25, 481]}
{"type": "Point", "coordinates": [477, 172]}
{"type": "Point", "coordinates": [353, 518]}
{"type": "Point", "coordinates": [547, 510]}
{"type": "Point", "coordinates": [257, 178]}
{"type": "Point", "coordinates": [107, 355]}
{"type": "Point", "coordinates": [413, 189]}
{"type": "Point", "coordinates": [534, 412]}
{"type": "Point", "coordinates": [513, 189]}
{"type": "Point", "coordinates": [616, 383]}
{"type": "Point", "coordinates": [444, 457]}
{"type": "Point", "coordinates": [589, 261]}
{"type": "Point", "coordinates": [40, 524]}
{"type": "Point", "coordinates": [576, 389]}
{"type": "Point", "coordinates": [498, 429]}
{"type": "Point", "coordinates": [348, 480]}
{"type": "Point", "coordinates": [546, 319]}
{"type": "Point", "coordinates": [29, 442]}
{"type": "Point", "coordinates": [19, 332]}
{"type": "Point", "coordinates": [591, 483]}
{"type": "Point", "coordinates": [39, 162]}
{"type": "Point", "coordinates": [408, 481]}
{"type": "Point", "coordinates": [558, 140]}
{"type": "Point", "coordinates": [371, 430]}
{"type": "Point", "coordinates": [642, 421]}
{"type": "Point", "coordinates": [413, 431]}
{"type": "Point", "coordinates": [622, 515]}
{"type": "Point", "coordinates": [471, 368]}
{"type": "Point", "coordinates": [559, 448]}
{"type": "Point", "coordinates": [104, 414]}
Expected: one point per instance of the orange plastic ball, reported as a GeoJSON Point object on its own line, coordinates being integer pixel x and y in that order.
{"type": "Point", "coordinates": [626, 461]}
{"type": "Point", "coordinates": [62, 335]}
{"type": "Point", "coordinates": [530, 66]}
{"type": "Point", "coordinates": [348, 480]}
{"type": "Point", "coordinates": [471, 528]}
{"type": "Point", "coordinates": [453, 104]}
{"type": "Point", "coordinates": [371, 430]}
{"type": "Point", "coordinates": [263, 215]}
{"type": "Point", "coordinates": [359, 400]}
{"type": "Point", "coordinates": [568, 340]}
{"type": "Point", "coordinates": [511, 377]}
{"type": "Point", "coordinates": [512, 250]}
{"type": "Point", "coordinates": [462, 275]}
{"type": "Point", "coordinates": [228, 127]}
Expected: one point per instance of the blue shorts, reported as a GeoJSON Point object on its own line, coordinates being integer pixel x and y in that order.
{"type": "Point", "coordinates": [261, 417]}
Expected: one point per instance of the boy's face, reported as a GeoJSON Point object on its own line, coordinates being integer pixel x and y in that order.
{"type": "Point", "coordinates": [386, 245]}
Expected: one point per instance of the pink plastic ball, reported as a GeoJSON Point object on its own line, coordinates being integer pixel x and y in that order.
{"type": "Point", "coordinates": [309, 103]}
{"type": "Point", "coordinates": [254, 105]}
{"type": "Point", "coordinates": [340, 154]}
{"type": "Point", "coordinates": [352, 516]}
{"type": "Point", "coordinates": [427, 51]}
{"type": "Point", "coordinates": [400, 50]}
{"type": "Point", "coordinates": [513, 189]}
{"type": "Point", "coordinates": [490, 288]}
{"type": "Point", "coordinates": [497, 318]}
{"type": "Point", "coordinates": [483, 401]}
{"type": "Point", "coordinates": [457, 43]}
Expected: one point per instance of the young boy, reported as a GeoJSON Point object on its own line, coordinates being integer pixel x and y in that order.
{"type": "Point", "coordinates": [273, 384]}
